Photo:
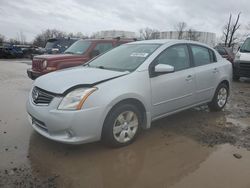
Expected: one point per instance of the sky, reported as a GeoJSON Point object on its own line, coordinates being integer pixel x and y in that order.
{"type": "Point", "coordinates": [31, 17]}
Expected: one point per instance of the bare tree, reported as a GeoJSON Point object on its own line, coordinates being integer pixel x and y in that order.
{"type": "Point", "coordinates": [22, 38]}
{"type": "Point", "coordinates": [180, 28]}
{"type": "Point", "coordinates": [226, 30]}
{"type": "Point", "coordinates": [2, 39]}
{"type": "Point", "coordinates": [229, 31]}
{"type": "Point", "coordinates": [40, 39]}
{"type": "Point", "coordinates": [192, 35]}
{"type": "Point", "coordinates": [14, 41]}
{"type": "Point", "coordinates": [235, 27]}
{"type": "Point", "coordinates": [77, 35]}
{"type": "Point", "coordinates": [148, 33]}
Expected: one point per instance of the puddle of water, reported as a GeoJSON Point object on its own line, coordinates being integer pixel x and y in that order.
{"type": "Point", "coordinates": [220, 169]}
{"type": "Point", "coordinates": [152, 161]}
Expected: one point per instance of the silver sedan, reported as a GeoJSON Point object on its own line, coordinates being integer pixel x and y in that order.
{"type": "Point", "coordinates": [122, 91]}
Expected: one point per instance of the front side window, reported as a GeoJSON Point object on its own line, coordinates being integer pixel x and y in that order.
{"type": "Point", "coordinates": [126, 57]}
{"type": "Point", "coordinates": [103, 47]}
{"type": "Point", "coordinates": [202, 55]}
{"type": "Point", "coordinates": [176, 56]}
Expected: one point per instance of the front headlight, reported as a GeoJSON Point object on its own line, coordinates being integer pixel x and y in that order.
{"type": "Point", "coordinates": [75, 99]}
{"type": "Point", "coordinates": [44, 64]}
{"type": "Point", "coordinates": [237, 57]}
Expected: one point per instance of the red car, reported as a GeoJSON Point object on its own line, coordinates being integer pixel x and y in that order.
{"type": "Point", "coordinates": [78, 53]}
{"type": "Point", "coordinates": [226, 53]}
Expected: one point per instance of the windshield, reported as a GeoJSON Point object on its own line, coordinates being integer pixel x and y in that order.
{"type": "Point", "coordinates": [79, 47]}
{"type": "Point", "coordinates": [124, 58]}
{"type": "Point", "coordinates": [246, 46]}
{"type": "Point", "coordinates": [50, 45]}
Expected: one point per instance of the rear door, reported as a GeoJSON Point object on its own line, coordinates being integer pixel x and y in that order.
{"type": "Point", "coordinates": [206, 72]}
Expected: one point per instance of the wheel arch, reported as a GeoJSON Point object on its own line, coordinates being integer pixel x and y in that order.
{"type": "Point", "coordinates": [227, 83]}
{"type": "Point", "coordinates": [134, 101]}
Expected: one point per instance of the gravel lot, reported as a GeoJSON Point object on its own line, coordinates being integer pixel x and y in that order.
{"type": "Point", "coordinates": [194, 148]}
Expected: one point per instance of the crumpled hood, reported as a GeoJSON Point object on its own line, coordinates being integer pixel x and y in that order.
{"type": "Point", "coordinates": [60, 81]}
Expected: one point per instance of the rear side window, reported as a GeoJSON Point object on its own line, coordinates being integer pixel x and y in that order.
{"type": "Point", "coordinates": [103, 47]}
{"type": "Point", "coordinates": [202, 55]}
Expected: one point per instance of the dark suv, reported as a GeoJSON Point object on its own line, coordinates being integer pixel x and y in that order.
{"type": "Point", "coordinates": [58, 45]}
{"type": "Point", "coordinates": [78, 53]}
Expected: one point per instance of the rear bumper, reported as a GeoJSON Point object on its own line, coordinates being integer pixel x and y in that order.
{"type": "Point", "coordinates": [33, 74]}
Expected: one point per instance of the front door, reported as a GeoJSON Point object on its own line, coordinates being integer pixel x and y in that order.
{"type": "Point", "coordinates": [173, 91]}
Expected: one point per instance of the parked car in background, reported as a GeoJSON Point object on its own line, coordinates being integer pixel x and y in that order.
{"type": "Point", "coordinates": [10, 51]}
{"type": "Point", "coordinates": [58, 45]}
{"type": "Point", "coordinates": [122, 91]}
{"type": "Point", "coordinates": [225, 52]}
{"type": "Point", "coordinates": [78, 53]}
{"type": "Point", "coordinates": [1, 52]}
{"type": "Point", "coordinates": [29, 50]}
{"type": "Point", "coordinates": [241, 66]}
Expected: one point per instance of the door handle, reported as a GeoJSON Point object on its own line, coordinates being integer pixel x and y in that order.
{"type": "Point", "coordinates": [189, 77]}
{"type": "Point", "coordinates": [215, 70]}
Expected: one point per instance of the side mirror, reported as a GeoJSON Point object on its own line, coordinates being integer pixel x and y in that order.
{"type": "Point", "coordinates": [239, 48]}
{"type": "Point", "coordinates": [94, 53]}
{"type": "Point", "coordinates": [163, 68]}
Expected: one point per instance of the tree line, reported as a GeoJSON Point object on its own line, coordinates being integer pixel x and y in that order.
{"type": "Point", "coordinates": [229, 37]}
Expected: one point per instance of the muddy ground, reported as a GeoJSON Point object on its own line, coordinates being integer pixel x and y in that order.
{"type": "Point", "coordinates": [195, 148]}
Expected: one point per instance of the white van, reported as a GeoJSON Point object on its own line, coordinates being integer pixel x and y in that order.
{"type": "Point", "coordinates": [241, 66]}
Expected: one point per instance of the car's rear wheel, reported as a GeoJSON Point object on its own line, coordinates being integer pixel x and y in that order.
{"type": "Point", "coordinates": [122, 125]}
{"type": "Point", "coordinates": [220, 98]}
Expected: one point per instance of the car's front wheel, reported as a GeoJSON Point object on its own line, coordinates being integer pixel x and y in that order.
{"type": "Point", "coordinates": [121, 125]}
{"type": "Point", "coordinates": [220, 98]}
{"type": "Point", "coordinates": [236, 78]}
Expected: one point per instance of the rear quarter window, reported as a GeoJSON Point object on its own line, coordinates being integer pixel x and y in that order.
{"type": "Point", "coordinates": [202, 55]}
{"type": "Point", "coordinates": [103, 47]}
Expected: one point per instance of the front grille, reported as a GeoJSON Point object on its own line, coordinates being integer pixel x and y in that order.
{"type": "Point", "coordinates": [245, 65]}
{"type": "Point", "coordinates": [37, 64]}
{"type": "Point", "coordinates": [41, 97]}
{"type": "Point", "coordinates": [39, 124]}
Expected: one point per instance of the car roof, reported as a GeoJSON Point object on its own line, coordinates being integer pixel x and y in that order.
{"type": "Point", "coordinates": [168, 41]}
{"type": "Point", "coordinates": [108, 40]}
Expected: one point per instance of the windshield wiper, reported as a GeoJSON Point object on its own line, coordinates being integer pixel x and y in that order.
{"type": "Point", "coordinates": [97, 67]}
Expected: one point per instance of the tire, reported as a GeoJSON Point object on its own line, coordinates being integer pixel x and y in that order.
{"type": "Point", "coordinates": [236, 78]}
{"type": "Point", "coordinates": [118, 130]}
{"type": "Point", "coordinates": [220, 98]}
